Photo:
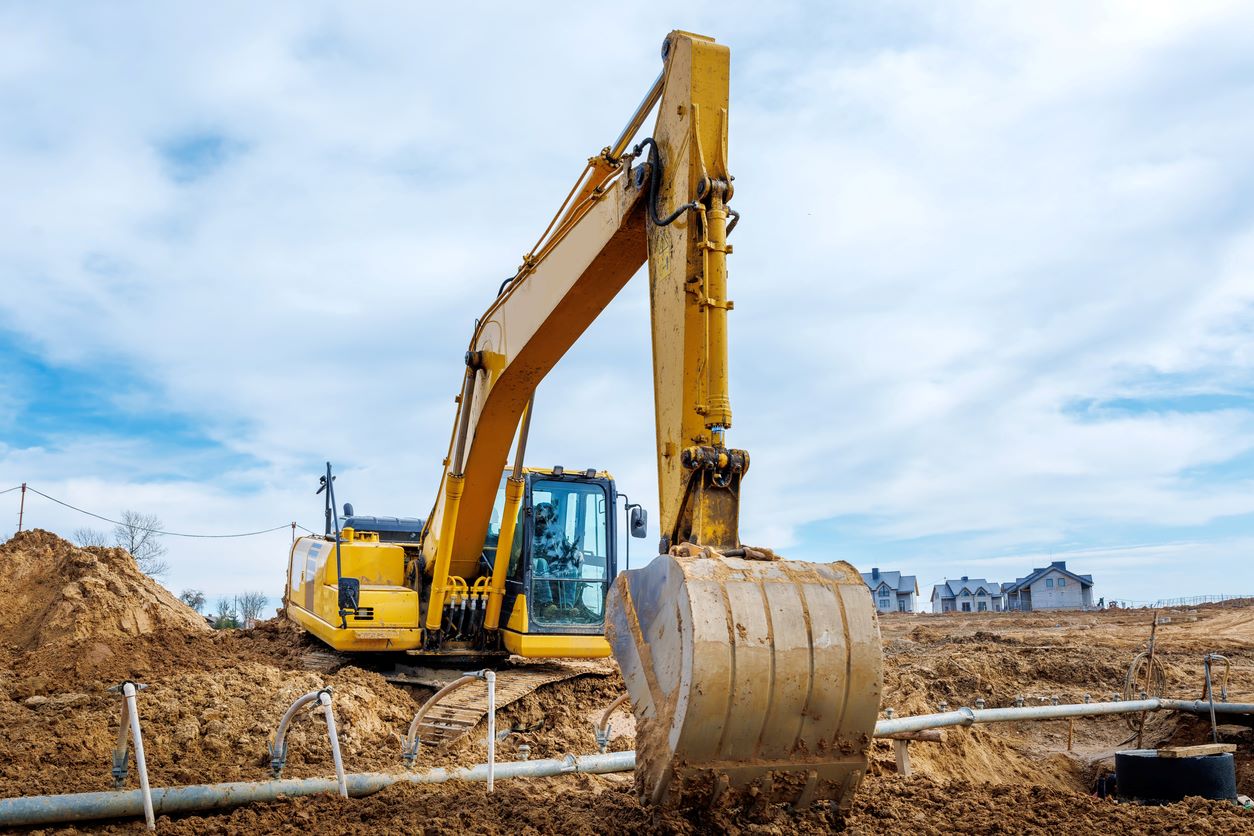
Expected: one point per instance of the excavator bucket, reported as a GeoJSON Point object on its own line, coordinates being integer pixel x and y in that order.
{"type": "Point", "coordinates": [750, 679]}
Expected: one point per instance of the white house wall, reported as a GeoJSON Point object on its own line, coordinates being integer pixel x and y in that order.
{"type": "Point", "coordinates": [1051, 596]}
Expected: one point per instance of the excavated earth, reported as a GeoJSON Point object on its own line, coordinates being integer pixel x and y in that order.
{"type": "Point", "coordinates": [76, 621]}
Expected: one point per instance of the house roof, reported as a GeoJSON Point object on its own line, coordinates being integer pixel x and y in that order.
{"type": "Point", "coordinates": [896, 581]}
{"type": "Point", "coordinates": [1057, 565]}
{"type": "Point", "coordinates": [952, 589]}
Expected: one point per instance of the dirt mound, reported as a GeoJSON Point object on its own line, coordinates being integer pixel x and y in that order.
{"type": "Point", "coordinates": [87, 615]}
{"type": "Point", "coordinates": [57, 593]}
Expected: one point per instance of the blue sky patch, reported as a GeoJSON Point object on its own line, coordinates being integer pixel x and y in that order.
{"type": "Point", "coordinates": [194, 156]}
{"type": "Point", "coordinates": [49, 404]}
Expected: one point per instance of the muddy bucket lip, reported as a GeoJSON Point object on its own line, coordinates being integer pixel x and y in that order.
{"type": "Point", "coordinates": [747, 673]}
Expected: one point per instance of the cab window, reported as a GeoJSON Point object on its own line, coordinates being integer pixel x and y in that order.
{"type": "Point", "coordinates": [569, 557]}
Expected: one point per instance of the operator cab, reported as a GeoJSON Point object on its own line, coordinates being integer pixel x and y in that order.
{"type": "Point", "coordinates": [563, 555]}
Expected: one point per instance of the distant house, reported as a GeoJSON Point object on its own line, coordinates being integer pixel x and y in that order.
{"type": "Point", "coordinates": [968, 595]}
{"type": "Point", "coordinates": [892, 591]}
{"type": "Point", "coordinates": [1054, 587]}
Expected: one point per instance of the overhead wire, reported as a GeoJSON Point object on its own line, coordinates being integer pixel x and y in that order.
{"type": "Point", "coordinates": [157, 530]}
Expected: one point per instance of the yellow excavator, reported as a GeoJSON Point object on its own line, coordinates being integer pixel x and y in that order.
{"type": "Point", "coordinates": [749, 675]}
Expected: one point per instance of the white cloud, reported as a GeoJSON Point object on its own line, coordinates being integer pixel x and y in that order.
{"type": "Point", "coordinates": [957, 224]}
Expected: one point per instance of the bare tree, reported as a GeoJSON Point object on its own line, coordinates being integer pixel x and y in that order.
{"type": "Point", "coordinates": [193, 598]}
{"type": "Point", "coordinates": [226, 618]}
{"type": "Point", "coordinates": [87, 537]}
{"type": "Point", "coordinates": [140, 535]}
{"type": "Point", "coordinates": [251, 605]}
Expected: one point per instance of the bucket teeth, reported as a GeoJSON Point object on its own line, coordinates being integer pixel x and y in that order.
{"type": "Point", "coordinates": [750, 680]}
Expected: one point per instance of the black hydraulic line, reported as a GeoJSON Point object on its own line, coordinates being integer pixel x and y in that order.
{"type": "Point", "coordinates": [655, 164]}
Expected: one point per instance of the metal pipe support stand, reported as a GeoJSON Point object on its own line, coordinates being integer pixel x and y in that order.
{"type": "Point", "coordinates": [130, 721]}
{"type": "Point", "coordinates": [278, 745]}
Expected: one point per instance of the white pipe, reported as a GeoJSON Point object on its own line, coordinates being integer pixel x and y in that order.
{"type": "Point", "coordinates": [325, 699]}
{"type": "Point", "coordinates": [141, 764]}
{"type": "Point", "coordinates": [490, 676]}
{"type": "Point", "coordinates": [52, 809]}
{"type": "Point", "coordinates": [967, 716]}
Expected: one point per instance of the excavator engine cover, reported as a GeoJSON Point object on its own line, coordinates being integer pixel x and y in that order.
{"type": "Point", "coordinates": [750, 679]}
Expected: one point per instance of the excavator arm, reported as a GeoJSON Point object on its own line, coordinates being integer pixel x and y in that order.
{"type": "Point", "coordinates": [748, 675]}
{"type": "Point", "coordinates": [624, 210]}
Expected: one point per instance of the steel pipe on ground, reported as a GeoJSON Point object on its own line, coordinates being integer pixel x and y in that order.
{"type": "Point", "coordinates": [1204, 706]}
{"type": "Point", "coordinates": [969, 716]}
{"type": "Point", "coordinates": [52, 809]}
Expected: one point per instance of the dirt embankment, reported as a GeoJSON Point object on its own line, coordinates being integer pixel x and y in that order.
{"type": "Point", "coordinates": [80, 620]}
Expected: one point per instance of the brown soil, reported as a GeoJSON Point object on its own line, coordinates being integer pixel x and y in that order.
{"type": "Point", "coordinates": [77, 621]}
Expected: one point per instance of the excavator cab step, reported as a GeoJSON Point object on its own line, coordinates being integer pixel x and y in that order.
{"type": "Point", "coordinates": [749, 679]}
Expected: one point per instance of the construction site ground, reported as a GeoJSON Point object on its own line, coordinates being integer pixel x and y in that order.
{"type": "Point", "coordinates": [78, 621]}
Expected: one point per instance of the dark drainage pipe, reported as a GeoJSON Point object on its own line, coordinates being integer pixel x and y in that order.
{"type": "Point", "coordinates": [1145, 778]}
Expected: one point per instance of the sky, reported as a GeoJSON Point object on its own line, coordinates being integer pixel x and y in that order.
{"type": "Point", "coordinates": [994, 278]}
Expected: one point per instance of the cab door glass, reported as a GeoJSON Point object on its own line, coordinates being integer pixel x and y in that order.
{"type": "Point", "coordinates": [569, 559]}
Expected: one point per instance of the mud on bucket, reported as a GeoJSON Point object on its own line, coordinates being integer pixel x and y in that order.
{"type": "Point", "coordinates": [747, 678]}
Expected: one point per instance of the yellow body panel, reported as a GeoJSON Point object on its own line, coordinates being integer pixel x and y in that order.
{"type": "Point", "coordinates": [518, 619]}
{"type": "Point", "coordinates": [541, 646]}
{"type": "Point", "coordinates": [391, 607]}
{"type": "Point", "coordinates": [535, 646]}
{"type": "Point", "coordinates": [356, 638]}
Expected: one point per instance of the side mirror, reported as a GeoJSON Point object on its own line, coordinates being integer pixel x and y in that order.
{"type": "Point", "coordinates": [348, 509]}
{"type": "Point", "coordinates": [638, 522]}
{"type": "Point", "coordinates": [350, 594]}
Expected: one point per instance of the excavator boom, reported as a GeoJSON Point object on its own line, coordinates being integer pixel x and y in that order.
{"type": "Point", "coordinates": [748, 675]}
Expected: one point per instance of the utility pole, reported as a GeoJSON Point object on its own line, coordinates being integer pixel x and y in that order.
{"type": "Point", "coordinates": [21, 509]}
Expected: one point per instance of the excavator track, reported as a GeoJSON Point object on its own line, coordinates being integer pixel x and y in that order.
{"type": "Point", "coordinates": [460, 711]}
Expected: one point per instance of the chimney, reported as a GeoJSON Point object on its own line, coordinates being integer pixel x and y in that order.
{"type": "Point", "coordinates": [875, 573]}
{"type": "Point", "coordinates": [964, 578]}
{"type": "Point", "coordinates": [1059, 564]}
